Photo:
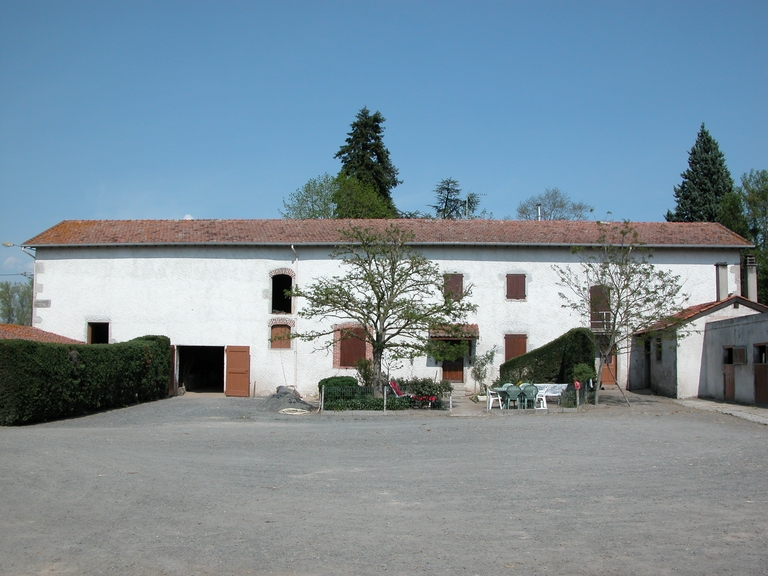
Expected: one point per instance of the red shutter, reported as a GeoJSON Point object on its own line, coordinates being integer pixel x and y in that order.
{"type": "Point", "coordinates": [515, 286]}
{"type": "Point", "coordinates": [515, 345]}
{"type": "Point", "coordinates": [352, 347]}
{"type": "Point", "coordinates": [453, 285]}
{"type": "Point", "coordinates": [281, 336]}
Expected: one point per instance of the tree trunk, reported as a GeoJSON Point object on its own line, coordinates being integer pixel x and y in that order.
{"type": "Point", "coordinates": [378, 377]}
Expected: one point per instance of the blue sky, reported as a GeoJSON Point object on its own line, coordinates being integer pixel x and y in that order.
{"type": "Point", "coordinates": [221, 109]}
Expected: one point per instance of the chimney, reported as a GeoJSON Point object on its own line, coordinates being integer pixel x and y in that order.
{"type": "Point", "coordinates": [722, 280]}
{"type": "Point", "coordinates": [751, 278]}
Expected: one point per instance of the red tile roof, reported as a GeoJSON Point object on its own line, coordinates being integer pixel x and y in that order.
{"type": "Point", "coordinates": [698, 310]}
{"type": "Point", "coordinates": [16, 332]}
{"type": "Point", "coordinates": [327, 232]}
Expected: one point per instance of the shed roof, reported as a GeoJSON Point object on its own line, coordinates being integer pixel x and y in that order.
{"type": "Point", "coordinates": [16, 332]}
{"type": "Point", "coordinates": [698, 310]}
{"type": "Point", "coordinates": [83, 233]}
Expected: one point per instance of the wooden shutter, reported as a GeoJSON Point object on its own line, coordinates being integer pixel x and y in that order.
{"type": "Point", "coordinates": [515, 286]}
{"type": "Point", "coordinates": [515, 345]}
{"type": "Point", "coordinates": [280, 336]}
{"type": "Point", "coordinates": [352, 346]}
{"type": "Point", "coordinates": [453, 286]}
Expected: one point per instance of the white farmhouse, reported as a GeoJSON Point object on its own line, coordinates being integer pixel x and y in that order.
{"type": "Point", "coordinates": [216, 288]}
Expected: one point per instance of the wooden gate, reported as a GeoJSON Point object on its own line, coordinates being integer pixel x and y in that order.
{"type": "Point", "coordinates": [608, 376]}
{"type": "Point", "coordinates": [761, 384]}
{"type": "Point", "coordinates": [453, 370]}
{"type": "Point", "coordinates": [238, 377]}
{"type": "Point", "coordinates": [729, 388]}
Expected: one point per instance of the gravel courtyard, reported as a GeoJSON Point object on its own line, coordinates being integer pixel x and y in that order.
{"type": "Point", "coordinates": [213, 485]}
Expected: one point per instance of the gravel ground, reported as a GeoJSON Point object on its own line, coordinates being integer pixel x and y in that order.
{"type": "Point", "coordinates": [212, 485]}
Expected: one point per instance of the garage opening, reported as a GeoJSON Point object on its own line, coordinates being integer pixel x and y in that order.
{"type": "Point", "coordinates": [201, 368]}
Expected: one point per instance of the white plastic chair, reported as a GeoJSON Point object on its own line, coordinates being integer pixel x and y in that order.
{"type": "Point", "coordinates": [493, 396]}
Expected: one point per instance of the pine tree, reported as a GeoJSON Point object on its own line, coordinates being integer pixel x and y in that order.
{"type": "Point", "coordinates": [705, 183]}
{"type": "Point", "coordinates": [450, 205]}
{"type": "Point", "coordinates": [365, 157]}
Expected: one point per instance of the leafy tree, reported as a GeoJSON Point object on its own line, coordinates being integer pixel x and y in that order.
{"type": "Point", "coordinates": [555, 205]}
{"type": "Point", "coordinates": [389, 289]}
{"type": "Point", "coordinates": [705, 183]}
{"type": "Point", "coordinates": [450, 205]}
{"type": "Point", "coordinates": [754, 195]}
{"type": "Point", "coordinates": [16, 303]}
{"type": "Point", "coordinates": [313, 200]}
{"type": "Point", "coordinates": [634, 294]}
{"type": "Point", "coordinates": [365, 157]}
{"type": "Point", "coordinates": [356, 199]}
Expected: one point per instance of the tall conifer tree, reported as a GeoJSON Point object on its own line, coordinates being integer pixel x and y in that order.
{"type": "Point", "coordinates": [365, 157]}
{"type": "Point", "coordinates": [705, 182]}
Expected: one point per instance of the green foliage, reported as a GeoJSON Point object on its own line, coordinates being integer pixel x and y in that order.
{"type": "Point", "coordinates": [16, 303]}
{"type": "Point", "coordinates": [705, 183]}
{"type": "Point", "coordinates": [480, 366]}
{"type": "Point", "coordinates": [426, 392]}
{"type": "Point", "coordinates": [754, 194]}
{"type": "Point", "coordinates": [450, 205]}
{"type": "Point", "coordinates": [365, 374]}
{"type": "Point", "coordinates": [369, 403]}
{"type": "Point", "coordinates": [48, 381]}
{"type": "Point", "coordinates": [365, 157]}
{"type": "Point", "coordinates": [340, 387]}
{"type": "Point", "coordinates": [313, 200]}
{"type": "Point", "coordinates": [555, 205]}
{"type": "Point", "coordinates": [553, 362]}
{"type": "Point", "coordinates": [354, 198]}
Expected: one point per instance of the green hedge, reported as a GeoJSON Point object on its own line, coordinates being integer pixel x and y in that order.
{"type": "Point", "coordinates": [41, 381]}
{"type": "Point", "coordinates": [553, 362]}
{"type": "Point", "coordinates": [426, 392]}
{"type": "Point", "coordinates": [369, 403]}
{"type": "Point", "coordinates": [340, 388]}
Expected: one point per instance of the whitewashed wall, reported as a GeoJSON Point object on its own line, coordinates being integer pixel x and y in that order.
{"type": "Point", "coordinates": [220, 296]}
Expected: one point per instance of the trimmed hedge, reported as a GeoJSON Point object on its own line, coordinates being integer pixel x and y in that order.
{"type": "Point", "coordinates": [426, 392]}
{"type": "Point", "coordinates": [369, 403]}
{"type": "Point", "coordinates": [340, 388]}
{"type": "Point", "coordinates": [43, 381]}
{"type": "Point", "coordinates": [553, 362]}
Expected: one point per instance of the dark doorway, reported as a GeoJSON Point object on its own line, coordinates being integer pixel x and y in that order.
{"type": "Point", "coordinates": [281, 303]}
{"type": "Point", "coordinates": [201, 368]}
{"type": "Point", "coordinates": [98, 332]}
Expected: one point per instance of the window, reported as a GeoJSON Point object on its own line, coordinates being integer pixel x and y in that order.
{"type": "Point", "coordinates": [453, 286]}
{"type": "Point", "coordinates": [281, 303]}
{"type": "Point", "coordinates": [98, 332]}
{"type": "Point", "coordinates": [734, 355]}
{"type": "Point", "coordinates": [515, 286]}
{"type": "Point", "coordinates": [659, 349]}
{"type": "Point", "coordinates": [351, 342]}
{"type": "Point", "coordinates": [514, 345]}
{"type": "Point", "coordinates": [280, 336]}
{"type": "Point", "coordinates": [760, 354]}
{"type": "Point", "coordinates": [599, 307]}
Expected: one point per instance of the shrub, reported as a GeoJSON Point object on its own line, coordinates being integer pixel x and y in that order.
{"type": "Point", "coordinates": [426, 391]}
{"type": "Point", "coordinates": [340, 388]}
{"type": "Point", "coordinates": [553, 362]}
{"type": "Point", "coordinates": [44, 381]}
{"type": "Point", "coordinates": [369, 403]}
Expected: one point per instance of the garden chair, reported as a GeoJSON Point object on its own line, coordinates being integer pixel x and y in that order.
{"type": "Point", "coordinates": [493, 396]}
{"type": "Point", "coordinates": [396, 389]}
{"type": "Point", "coordinates": [528, 397]}
{"type": "Point", "coordinates": [512, 393]}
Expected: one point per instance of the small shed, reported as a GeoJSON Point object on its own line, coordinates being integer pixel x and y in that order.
{"type": "Point", "coordinates": [735, 363]}
{"type": "Point", "coordinates": [669, 358]}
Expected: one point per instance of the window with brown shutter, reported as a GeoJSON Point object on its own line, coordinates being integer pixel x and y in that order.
{"type": "Point", "coordinates": [515, 345]}
{"type": "Point", "coordinates": [515, 286]}
{"type": "Point", "coordinates": [280, 336]}
{"type": "Point", "coordinates": [351, 346]}
{"type": "Point", "coordinates": [453, 286]}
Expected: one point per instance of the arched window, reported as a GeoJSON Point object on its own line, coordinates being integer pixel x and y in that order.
{"type": "Point", "coordinates": [281, 303]}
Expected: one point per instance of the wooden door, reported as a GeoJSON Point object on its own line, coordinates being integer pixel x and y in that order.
{"type": "Point", "coordinates": [453, 370]}
{"type": "Point", "coordinates": [729, 388]}
{"type": "Point", "coordinates": [761, 384]}
{"type": "Point", "coordinates": [608, 377]}
{"type": "Point", "coordinates": [238, 377]}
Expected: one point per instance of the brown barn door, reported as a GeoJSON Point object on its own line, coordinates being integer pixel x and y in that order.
{"type": "Point", "coordinates": [238, 375]}
{"type": "Point", "coordinates": [729, 388]}
{"type": "Point", "coordinates": [608, 377]}
{"type": "Point", "coordinates": [761, 374]}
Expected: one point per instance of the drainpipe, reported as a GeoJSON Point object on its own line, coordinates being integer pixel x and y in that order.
{"type": "Point", "coordinates": [296, 342]}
